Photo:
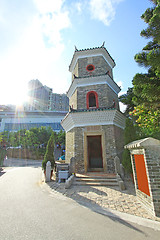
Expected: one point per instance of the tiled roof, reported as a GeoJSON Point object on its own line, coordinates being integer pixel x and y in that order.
{"type": "Point", "coordinates": [93, 117]}
{"type": "Point", "coordinates": [91, 109]}
{"type": "Point", "coordinates": [88, 49]}
{"type": "Point", "coordinates": [98, 75]}
{"type": "Point", "coordinates": [91, 49]}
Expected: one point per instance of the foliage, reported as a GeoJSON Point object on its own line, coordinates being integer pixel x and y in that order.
{"type": "Point", "coordinates": [130, 134]}
{"type": "Point", "coordinates": [2, 156]}
{"type": "Point", "coordinates": [35, 139]}
{"type": "Point", "coordinates": [1, 137]}
{"type": "Point", "coordinates": [60, 137]}
{"type": "Point", "coordinates": [148, 120]}
{"type": "Point", "coordinates": [4, 138]}
{"type": "Point", "coordinates": [127, 100]}
{"type": "Point", "coordinates": [150, 55]}
{"type": "Point", "coordinates": [145, 94]}
{"type": "Point", "coordinates": [49, 155]}
{"type": "Point", "coordinates": [146, 89]}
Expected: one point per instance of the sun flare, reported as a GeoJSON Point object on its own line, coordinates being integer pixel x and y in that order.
{"type": "Point", "coordinates": [14, 97]}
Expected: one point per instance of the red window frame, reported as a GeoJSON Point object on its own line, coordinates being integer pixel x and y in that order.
{"type": "Point", "coordinates": [93, 67]}
{"type": "Point", "coordinates": [87, 99]}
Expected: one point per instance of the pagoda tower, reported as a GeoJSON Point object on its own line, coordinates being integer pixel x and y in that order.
{"type": "Point", "coordinates": [94, 125]}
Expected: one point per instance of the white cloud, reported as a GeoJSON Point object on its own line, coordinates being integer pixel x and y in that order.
{"type": "Point", "coordinates": [53, 18]}
{"type": "Point", "coordinates": [122, 107]}
{"type": "Point", "coordinates": [36, 51]}
{"type": "Point", "coordinates": [103, 10]}
{"type": "Point", "coordinates": [120, 84]}
{"type": "Point", "coordinates": [78, 6]}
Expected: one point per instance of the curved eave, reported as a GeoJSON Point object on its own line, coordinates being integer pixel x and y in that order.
{"type": "Point", "coordinates": [94, 80]}
{"type": "Point", "coordinates": [92, 52]}
{"type": "Point", "coordinates": [82, 119]}
{"type": "Point", "coordinates": [142, 143]}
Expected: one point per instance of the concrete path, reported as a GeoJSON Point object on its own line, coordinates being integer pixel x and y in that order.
{"type": "Point", "coordinates": [29, 210]}
{"type": "Point", "coordinates": [106, 198]}
{"type": "Point", "coordinates": [18, 162]}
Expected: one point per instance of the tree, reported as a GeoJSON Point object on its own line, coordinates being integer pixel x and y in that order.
{"type": "Point", "coordinates": [2, 151]}
{"type": "Point", "coordinates": [4, 138]}
{"type": "Point", "coordinates": [127, 100]}
{"type": "Point", "coordinates": [129, 136]}
{"type": "Point", "coordinates": [44, 135]}
{"type": "Point", "coordinates": [148, 120]}
{"type": "Point", "coordinates": [1, 137]}
{"type": "Point", "coordinates": [49, 155]}
{"type": "Point", "coordinates": [150, 55]}
{"type": "Point", "coordinates": [61, 137]}
{"type": "Point", "coordinates": [145, 94]}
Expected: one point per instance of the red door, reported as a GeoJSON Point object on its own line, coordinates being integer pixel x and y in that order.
{"type": "Point", "coordinates": [94, 152]}
{"type": "Point", "coordinates": [141, 173]}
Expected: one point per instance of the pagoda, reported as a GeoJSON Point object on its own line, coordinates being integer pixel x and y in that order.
{"type": "Point", "coordinates": [94, 124]}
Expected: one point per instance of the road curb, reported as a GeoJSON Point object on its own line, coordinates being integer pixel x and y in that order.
{"type": "Point", "coordinates": [127, 217]}
{"type": "Point", "coordinates": [121, 216]}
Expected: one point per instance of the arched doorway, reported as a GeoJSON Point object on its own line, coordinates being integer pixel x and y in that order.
{"type": "Point", "coordinates": [95, 160]}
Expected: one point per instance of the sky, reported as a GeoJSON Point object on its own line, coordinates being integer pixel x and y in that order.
{"type": "Point", "coordinates": [38, 39]}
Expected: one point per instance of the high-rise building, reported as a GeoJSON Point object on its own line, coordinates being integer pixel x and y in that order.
{"type": "Point", "coordinates": [42, 98]}
{"type": "Point", "coordinates": [38, 96]}
{"type": "Point", "coordinates": [59, 102]}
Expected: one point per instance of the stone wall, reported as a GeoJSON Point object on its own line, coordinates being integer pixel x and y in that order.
{"type": "Point", "coordinates": [114, 141]}
{"type": "Point", "coordinates": [25, 153]}
{"type": "Point", "coordinates": [70, 146]}
{"type": "Point", "coordinates": [152, 155]}
{"type": "Point", "coordinates": [105, 96]}
{"type": "Point", "coordinates": [79, 149]}
{"type": "Point", "coordinates": [113, 146]}
{"type": "Point", "coordinates": [149, 148]}
{"type": "Point", "coordinates": [74, 148]}
{"type": "Point", "coordinates": [101, 66]}
{"type": "Point", "coordinates": [119, 141]}
{"type": "Point", "coordinates": [73, 100]}
{"type": "Point", "coordinates": [75, 71]}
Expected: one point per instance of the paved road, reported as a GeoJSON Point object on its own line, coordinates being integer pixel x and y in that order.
{"type": "Point", "coordinates": [16, 162]}
{"type": "Point", "coordinates": [28, 210]}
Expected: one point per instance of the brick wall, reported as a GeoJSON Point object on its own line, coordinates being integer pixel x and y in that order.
{"type": "Point", "coordinates": [101, 67]}
{"type": "Point", "coordinates": [70, 146]}
{"type": "Point", "coordinates": [105, 96]}
{"type": "Point", "coordinates": [73, 100]}
{"type": "Point", "coordinates": [113, 146]}
{"type": "Point", "coordinates": [114, 140]}
{"type": "Point", "coordinates": [152, 165]}
{"type": "Point", "coordinates": [152, 155]}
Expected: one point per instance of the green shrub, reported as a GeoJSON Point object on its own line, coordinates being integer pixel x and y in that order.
{"type": "Point", "coordinates": [130, 135]}
{"type": "Point", "coordinates": [127, 161]}
{"type": "Point", "coordinates": [49, 155]}
{"type": "Point", "coordinates": [2, 156]}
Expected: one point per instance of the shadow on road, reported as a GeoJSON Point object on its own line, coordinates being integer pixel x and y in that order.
{"type": "Point", "coordinates": [2, 171]}
{"type": "Point", "coordinates": [84, 201]}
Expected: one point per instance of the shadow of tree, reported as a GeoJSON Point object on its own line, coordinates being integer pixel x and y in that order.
{"type": "Point", "coordinates": [74, 194]}
{"type": "Point", "coordinates": [2, 172]}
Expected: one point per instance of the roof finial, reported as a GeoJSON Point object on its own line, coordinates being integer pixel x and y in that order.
{"type": "Point", "coordinates": [76, 48]}
{"type": "Point", "coordinates": [103, 44]}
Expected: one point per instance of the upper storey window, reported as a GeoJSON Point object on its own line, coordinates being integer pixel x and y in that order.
{"type": "Point", "coordinates": [90, 67]}
{"type": "Point", "coordinates": [92, 100]}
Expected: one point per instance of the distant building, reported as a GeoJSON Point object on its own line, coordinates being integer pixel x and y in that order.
{"type": "Point", "coordinates": [44, 108]}
{"type": "Point", "coordinates": [42, 98]}
{"type": "Point", "coordinates": [59, 102]}
{"type": "Point", "coordinates": [14, 121]}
